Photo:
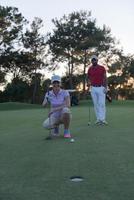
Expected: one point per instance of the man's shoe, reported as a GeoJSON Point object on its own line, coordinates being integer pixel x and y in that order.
{"type": "Point", "coordinates": [104, 122]}
{"type": "Point", "coordinates": [97, 122]}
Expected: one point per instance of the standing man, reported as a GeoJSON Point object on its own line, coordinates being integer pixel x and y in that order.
{"type": "Point", "coordinates": [96, 78]}
{"type": "Point", "coordinates": [59, 100]}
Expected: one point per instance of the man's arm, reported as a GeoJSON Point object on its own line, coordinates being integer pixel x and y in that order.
{"type": "Point", "coordinates": [88, 79]}
{"type": "Point", "coordinates": [105, 82]}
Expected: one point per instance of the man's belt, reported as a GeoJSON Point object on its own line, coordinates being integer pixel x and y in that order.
{"type": "Point", "coordinates": [96, 85]}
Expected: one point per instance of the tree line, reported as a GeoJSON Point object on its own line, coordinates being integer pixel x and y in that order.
{"type": "Point", "coordinates": [25, 50]}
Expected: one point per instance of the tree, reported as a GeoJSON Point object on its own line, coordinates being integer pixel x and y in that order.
{"type": "Point", "coordinates": [131, 67]}
{"type": "Point", "coordinates": [34, 42]}
{"type": "Point", "coordinates": [76, 37]}
{"type": "Point", "coordinates": [11, 28]}
{"type": "Point", "coordinates": [17, 90]}
{"type": "Point", "coordinates": [121, 71]}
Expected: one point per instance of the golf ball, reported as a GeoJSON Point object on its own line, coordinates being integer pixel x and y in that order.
{"type": "Point", "coordinates": [72, 140]}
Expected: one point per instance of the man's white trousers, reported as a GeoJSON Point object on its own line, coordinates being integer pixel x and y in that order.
{"type": "Point", "coordinates": [99, 97]}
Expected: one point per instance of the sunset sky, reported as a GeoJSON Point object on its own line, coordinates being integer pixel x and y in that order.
{"type": "Point", "coordinates": [116, 14]}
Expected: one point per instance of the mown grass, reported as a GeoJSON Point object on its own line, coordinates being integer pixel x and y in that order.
{"type": "Point", "coordinates": [32, 168]}
{"type": "Point", "coordinates": [17, 106]}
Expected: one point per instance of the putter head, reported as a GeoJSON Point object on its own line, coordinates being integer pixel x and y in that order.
{"type": "Point", "coordinates": [89, 123]}
{"type": "Point", "coordinates": [48, 138]}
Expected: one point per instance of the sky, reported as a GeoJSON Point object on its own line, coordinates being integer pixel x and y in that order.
{"type": "Point", "coordinates": [116, 14]}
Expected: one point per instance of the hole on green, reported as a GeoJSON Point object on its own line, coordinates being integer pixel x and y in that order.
{"type": "Point", "coordinates": [76, 178]}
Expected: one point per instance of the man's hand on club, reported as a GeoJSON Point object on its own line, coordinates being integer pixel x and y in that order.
{"type": "Point", "coordinates": [105, 90]}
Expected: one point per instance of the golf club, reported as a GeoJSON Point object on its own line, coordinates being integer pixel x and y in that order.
{"type": "Point", "coordinates": [89, 112]}
{"type": "Point", "coordinates": [49, 137]}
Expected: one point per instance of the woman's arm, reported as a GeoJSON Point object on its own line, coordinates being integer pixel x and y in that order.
{"type": "Point", "coordinates": [66, 103]}
{"type": "Point", "coordinates": [45, 102]}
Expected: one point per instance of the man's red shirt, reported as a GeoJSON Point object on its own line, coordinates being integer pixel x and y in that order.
{"type": "Point", "coordinates": [96, 75]}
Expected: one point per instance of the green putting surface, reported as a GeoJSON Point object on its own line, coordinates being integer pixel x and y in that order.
{"type": "Point", "coordinates": [32, 168]}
